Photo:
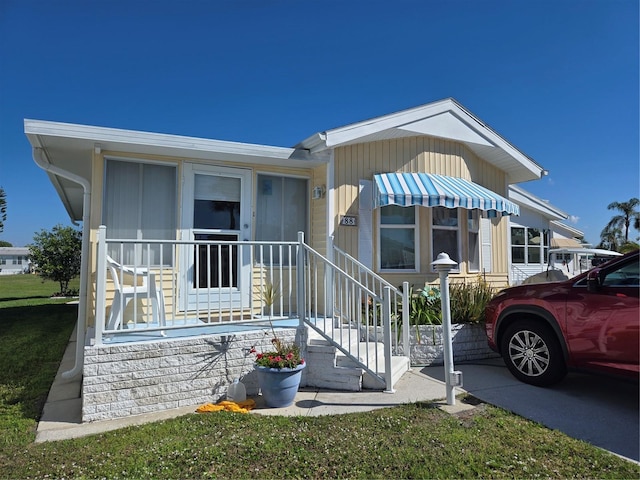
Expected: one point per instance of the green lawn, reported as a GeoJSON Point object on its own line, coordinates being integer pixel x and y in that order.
{"type": "Point", "coordinates": [410, 441]}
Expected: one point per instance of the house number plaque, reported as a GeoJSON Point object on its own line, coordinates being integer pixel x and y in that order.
{"type": "Point", "coordinates": [349, 221]}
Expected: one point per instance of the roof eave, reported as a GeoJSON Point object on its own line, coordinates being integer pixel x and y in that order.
{"type": "Point", "coordinates": [523, 169]}
{"type": "Point", "coordinates": [537, 204]}
{"type": "Point", "coordinates": [152, 141]}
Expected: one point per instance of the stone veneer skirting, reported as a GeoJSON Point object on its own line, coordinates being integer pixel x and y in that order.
{"type": "Point", "coordinates": [469, 342]}
{"type": "Point", "coordinates": [124, 379]}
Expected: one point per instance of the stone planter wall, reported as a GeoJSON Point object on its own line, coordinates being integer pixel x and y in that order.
{"type": "Point", "coordinates": [469, 342]}
{"type": "Point", "coordinates": [127, 379]}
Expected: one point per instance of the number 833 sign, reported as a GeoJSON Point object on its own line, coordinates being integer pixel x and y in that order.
{"type": "Point", "coordinates": [349, 221]}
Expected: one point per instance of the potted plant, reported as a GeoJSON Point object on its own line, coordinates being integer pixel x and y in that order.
{"type": "Point", "coordinates": [280, 368]}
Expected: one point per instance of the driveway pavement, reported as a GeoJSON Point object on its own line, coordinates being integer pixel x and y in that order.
{"type": "Point", "coordinates": [599, 410]}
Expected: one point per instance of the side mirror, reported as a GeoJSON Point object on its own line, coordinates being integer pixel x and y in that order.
{"type": "Point", "coordinates": [593, 280]}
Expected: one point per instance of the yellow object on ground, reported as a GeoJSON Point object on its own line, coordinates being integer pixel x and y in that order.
{"type": "Point", "coordinates": [226, 405]}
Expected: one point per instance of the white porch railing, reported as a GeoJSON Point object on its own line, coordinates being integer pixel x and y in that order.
{"type": "Point", "coordinates": [371, 280]}
{"type": "Point", "coordinates": [152, 287]}
{"type": "Point", "coordinates": [518, 275]}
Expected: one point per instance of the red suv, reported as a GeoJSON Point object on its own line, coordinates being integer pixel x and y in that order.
{"type": "Point", "coordinates": [589, 322]}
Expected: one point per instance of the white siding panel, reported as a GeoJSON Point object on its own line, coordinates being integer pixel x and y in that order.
{"type": "Point", "coordinates": [485, 239]}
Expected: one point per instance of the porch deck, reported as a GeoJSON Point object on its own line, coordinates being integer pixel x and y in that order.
{"type": "Point", "coordinates": [195, 327]}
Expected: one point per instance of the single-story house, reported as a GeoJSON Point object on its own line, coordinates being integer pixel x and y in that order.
{"type": "Point", "coordinates": [534, 232]}
{"type": "Point", "coordinates": [14, 260]}
{"type": "Point", "coordinates": [203, 229]}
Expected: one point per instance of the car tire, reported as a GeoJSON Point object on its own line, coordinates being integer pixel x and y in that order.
{"type": "Point", "coordinates": [532, 353]}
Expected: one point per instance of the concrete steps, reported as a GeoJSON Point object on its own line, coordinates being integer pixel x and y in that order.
{"type": "Point", "coordinates": [328, 367]}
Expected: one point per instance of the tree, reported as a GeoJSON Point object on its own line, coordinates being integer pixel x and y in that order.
{"type": "Point", "coordinates": [4, 243]}
{"type": "Point", "coordinates": [3, 208]}
{"type": "Point", "coordinates": [610, 238]}
{"type": "Point", "coordinates": [56, 255]}
{"type": "Point", "coordinates": [623, 221]}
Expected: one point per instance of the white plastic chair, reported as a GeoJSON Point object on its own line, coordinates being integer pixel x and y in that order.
{"type": "Point", "coordinates": [124, 294]}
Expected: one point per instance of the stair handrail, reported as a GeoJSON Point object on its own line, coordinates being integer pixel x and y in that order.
{"type": "Point", "coordinates": [331, 271]}
{"type": "Point", "coordinates": [381, 299]}
{"type": "Point", "coordinates": [397, 295]}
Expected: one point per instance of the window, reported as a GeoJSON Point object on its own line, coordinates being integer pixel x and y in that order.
{"type": "Point", "coordinates": [282, 211]}
{"type": "Point", "coordinates": [445, 232]}
{"type": "Point", "coordinates": [398, 238]}
{"type": "Point", "coordinates": [626, 276]}
{"type": "Point", "coordinates": [140, 203]}
{"type": "Point", "coordinates": [216, 202]}
{"type": "Point", "coordinates": [216, 206]}
{"type": "Point", "coordinates": [529, 245]}
{"type": "Point", "coordinates": [473, 228]}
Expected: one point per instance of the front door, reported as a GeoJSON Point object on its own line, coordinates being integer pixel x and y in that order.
{"type": "Point", "coordinates": [216, 211]}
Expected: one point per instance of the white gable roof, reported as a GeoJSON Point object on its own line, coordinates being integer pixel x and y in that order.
{"type": "Point", "coordinates": [445, 119]}
{"type": "Point", "coordinates": [538, 205]}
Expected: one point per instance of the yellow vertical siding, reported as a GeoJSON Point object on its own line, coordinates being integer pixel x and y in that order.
{"type": "Point", "coordinates": [415, 154]}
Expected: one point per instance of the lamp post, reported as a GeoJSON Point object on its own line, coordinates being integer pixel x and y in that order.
{"type": "Point", "coordinates": [443, 265]}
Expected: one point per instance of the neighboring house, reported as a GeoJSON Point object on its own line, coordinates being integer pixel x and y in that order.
{"type": "Point", "coordinates": [14, 260]}
{"type": "Point", "coordinates": [204, 225]}
{"type": "Point", "coordinates": [537, 229]}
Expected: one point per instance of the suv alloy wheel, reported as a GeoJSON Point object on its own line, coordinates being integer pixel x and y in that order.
{"type": "Point", "coordinates": [532, 353]}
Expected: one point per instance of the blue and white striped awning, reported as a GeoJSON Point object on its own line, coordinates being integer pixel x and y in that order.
{"type": "Point", "coordinates": [429, 190]}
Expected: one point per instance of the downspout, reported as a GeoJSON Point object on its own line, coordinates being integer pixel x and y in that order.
{"type": "Point", "coordinates": [40, 157]}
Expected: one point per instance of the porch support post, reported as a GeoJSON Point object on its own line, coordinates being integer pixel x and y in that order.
{"type": "Point", "coordinates": [101, 282]}
{"type": "Point", "coordinates": [386, 332]}
{"type": "Point", "coordinates": [405, 319]}
{"type": "Point", "coordinates": [444, 265]}
{"type": "Point", "coordinates": [300, 270]}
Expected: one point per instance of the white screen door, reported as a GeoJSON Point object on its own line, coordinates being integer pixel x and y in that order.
{"type": "Point", "coordinates": [216, 203]}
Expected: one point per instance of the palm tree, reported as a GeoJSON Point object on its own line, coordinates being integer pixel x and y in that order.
{"type": "Point", "coordinates": [629, 212]}
{"type": "Point", "coordinates": [3, 208]}
{"type": "Point", "coordinates": [610, 238]}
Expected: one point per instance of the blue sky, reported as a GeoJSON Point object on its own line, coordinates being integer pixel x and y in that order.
{"type": "Point", "coordinates": [558, 79]}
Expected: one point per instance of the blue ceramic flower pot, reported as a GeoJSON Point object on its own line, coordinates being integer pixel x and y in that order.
{"type": "Point", "coordinates": [279, 385]}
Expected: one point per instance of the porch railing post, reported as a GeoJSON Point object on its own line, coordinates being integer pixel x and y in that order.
{"type": "Point", "coordinates": [300, 271]}
{"type": "Point", "coordinates": [405, 319]}
{"type": "Point", "coordinates": [101, 282]}
{"type": "Point", "coordinates": [330, 281]}
{"type": "Point", "coordinates": [386, 331]}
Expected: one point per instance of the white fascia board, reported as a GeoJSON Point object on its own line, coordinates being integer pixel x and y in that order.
{"type": "Point", "coordinates": [497, 140]}
{"type": "Point", "coordinates": [568, 228]}
{"type": "Point", "coordinates": [314, 143]}
{"type": "Point", "coordinates": [524, 198]}
{"type": "Point", "coordinates": [107, 136]}
{"type": "Point", "coordinates": [350, 133]}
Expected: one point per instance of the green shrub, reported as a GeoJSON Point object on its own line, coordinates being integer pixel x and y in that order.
{"type": "Point", "coordinates": [424, 306]}
{"type": "Point", "coordinates": [468, 301]}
